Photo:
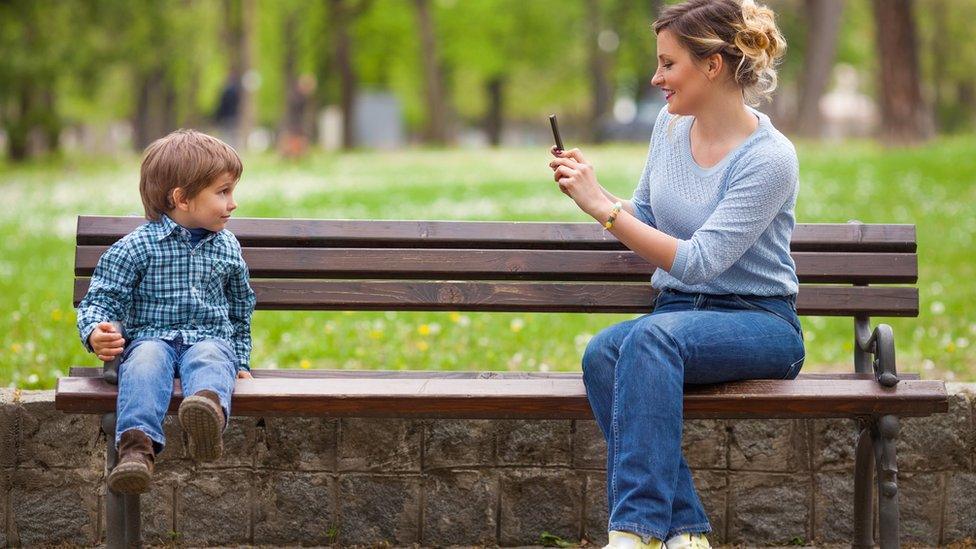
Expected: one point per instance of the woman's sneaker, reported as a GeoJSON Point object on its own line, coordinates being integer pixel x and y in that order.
{"type": "Point", "coordinates": [627, 540]}
{"type": "Point", "coordinates": [688, 541]}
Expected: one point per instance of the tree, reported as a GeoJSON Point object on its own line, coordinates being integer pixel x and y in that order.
{"type": "Point", "coordinates": [905, 118]}
{"type": "Point", "coordinates": [823, 26]}
{"type": "Point", "coordinates": [438, 111]}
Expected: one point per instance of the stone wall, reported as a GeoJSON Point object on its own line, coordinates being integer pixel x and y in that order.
{"type": "Point", "coordinates": [447, 482]}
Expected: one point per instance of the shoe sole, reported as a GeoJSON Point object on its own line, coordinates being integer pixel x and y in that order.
{"type": "Point", "coordinates": [202, 426]}
{"type": "Point", "coordinates": [129, 478]}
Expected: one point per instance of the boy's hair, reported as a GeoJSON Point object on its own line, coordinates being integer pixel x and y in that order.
{"type": "Point", "coordinates": [187, 159]}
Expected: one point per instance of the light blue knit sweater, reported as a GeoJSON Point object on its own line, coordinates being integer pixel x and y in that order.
{"type": "Point", "coordinates": [733, 220]}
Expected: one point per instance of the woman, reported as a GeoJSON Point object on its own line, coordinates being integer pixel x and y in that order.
{"type": "Point", "coordinates": [714, 212]}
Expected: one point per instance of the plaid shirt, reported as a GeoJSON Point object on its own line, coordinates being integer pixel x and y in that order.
{"type": "Point", "coordinates": [158, 286]}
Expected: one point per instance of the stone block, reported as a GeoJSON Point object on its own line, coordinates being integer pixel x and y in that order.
{"type": "Point", "coordinates": [834, 444]}
{"type": "Point", "coordinates": [596, 514]}
{"type": "Point", "coordinates": [458, 443]}
{"type": "Point", "coordinates": [938, 442]}
{"type": "Point", "coordinates": [834, 511]}
{"type": "Point", "coordinates": [704, 442]}
{"type": "Point", "coordinates": [49, 438]}
{"type": "Point", "coordinates": [379, 510]}
{"type": "Point", "coordinates": [240, 444]}
{"type": "Point", "coordinates": [380, 445]}
{"type": "Point", "coordinates": [53, 506]}
{"type": "Point", "coordinates": [294, 508]}
{"type": "Point", "coordinates": [214, 508]}
{"type": "Point", "coordinates": [534, 442]}
{"type": "Point", "coordinates": [920, 507]}
{"type": "Point", "coordinates": [296, 443]}
{"type": "Point", "coordinates": [534, 501]}
{"type": "Point", "coordinates": [712, 488]}
{"type": "Point", "coordinates": [447, 523]}
{"type": "Point", "coordinates": [589, 445]}
{"type": "Point", "coordinates": [768, 445]}
{"type": "Point", "coordinates": [768, 508]}
{"type": "Point", "coordinates": [960, 513]}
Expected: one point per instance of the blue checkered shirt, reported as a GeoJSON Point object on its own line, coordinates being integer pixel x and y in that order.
{"type": "Point", "coordinates": [157, 285]}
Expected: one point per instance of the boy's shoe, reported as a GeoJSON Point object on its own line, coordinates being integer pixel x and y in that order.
{"type": "Point", "coordinates": [688, 541]}
{"type": "Point", "coordinates": [628, 540]}
{"type": "Point", "coordinates": [202, 420]}
{"type": "Point", "coordinates": [134, 469]}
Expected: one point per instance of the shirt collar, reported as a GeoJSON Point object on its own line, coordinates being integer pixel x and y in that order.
{"type": "Point", "coordinates": [166, 227]}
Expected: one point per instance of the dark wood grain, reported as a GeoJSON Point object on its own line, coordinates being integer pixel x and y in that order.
{"type": "Point", "coordinates": [533, 398]}
{"type": "Point", "coordinates": [371, 295]}
{"type": "Point", "coordinates": [433, 264]}
{"type": "Point", "coordinates": [104, 230]}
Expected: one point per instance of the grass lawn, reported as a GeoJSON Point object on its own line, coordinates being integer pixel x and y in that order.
{"type": "Point", "coordinates": [932, 187]}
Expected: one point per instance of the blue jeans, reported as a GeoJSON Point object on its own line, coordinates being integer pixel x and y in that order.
{"type": "Point", "coordinates": [635, 374]}
{"type": "Point", "coordinates": [146, 375]}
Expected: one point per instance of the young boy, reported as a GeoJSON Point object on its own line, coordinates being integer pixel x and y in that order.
{"type": "Point", "coordinates": [180, 287]}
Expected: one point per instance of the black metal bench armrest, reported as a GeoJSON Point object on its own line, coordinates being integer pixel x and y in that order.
{"type": "Point", "coordinates": [880, 343]}
{"type": "Point", "coordinates": [110, 371]}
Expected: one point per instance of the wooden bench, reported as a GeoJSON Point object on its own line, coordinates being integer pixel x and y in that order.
{"type": "Point", "coordinates": [542, 267]}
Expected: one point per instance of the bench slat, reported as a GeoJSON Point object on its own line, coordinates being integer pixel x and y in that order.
{"type": "Point", "coordinates": [83, 371]}
{"type": "Point", "coordinates": [371, 295]}
{"type": "Point", "coordinates": [533, 398]}
{"type": "Point", "coordinates": [623, 265]}
{"type": "Point", "coordinates": [848, 237]}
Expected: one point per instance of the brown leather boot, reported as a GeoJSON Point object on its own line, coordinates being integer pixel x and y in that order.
{"type": "Point", "coordinates": [134, 469]}
{"type": "Point", "coordinates": [202, 420]}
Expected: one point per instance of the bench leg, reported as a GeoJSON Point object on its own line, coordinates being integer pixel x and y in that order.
{"type": "Point", "coordinates": [122, 514]}
{"type": "Point", "coordinates": [863, 481]}
{"type": "Point", "coordinates": [885, 435]}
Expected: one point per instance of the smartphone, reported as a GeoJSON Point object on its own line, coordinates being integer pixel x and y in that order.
{"type": "Point", "coordinates": [555, 132]}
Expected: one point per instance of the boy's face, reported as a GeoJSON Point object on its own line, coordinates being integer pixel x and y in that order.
{"type": "Point", "coordinates": [211, 208]}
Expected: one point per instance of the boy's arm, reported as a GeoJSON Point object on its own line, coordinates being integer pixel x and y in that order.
{"type": "Point", "coordinates": [241, 300]}
{"type": "Point", "coordinates": [109, 292]}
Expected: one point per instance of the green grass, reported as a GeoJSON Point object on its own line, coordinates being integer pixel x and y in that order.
{"type": "Point", "coordinates": [932, 187]}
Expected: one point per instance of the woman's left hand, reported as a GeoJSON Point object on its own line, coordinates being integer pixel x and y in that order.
{"type": "Point", "coordinates": [577, 180]}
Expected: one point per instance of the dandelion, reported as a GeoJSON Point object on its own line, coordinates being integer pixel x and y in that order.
{"type": "Point", "coordinates": [516, 325]}
{"type": "Point", "coordinates": [455, 317]}
{"type": "Point", "coordinates": [422, 346]}
{"type": "Point", "coordinates": [375, 334]}
{"type": "Point", "coordinates": [423, 329]}
{"type": "Point", "coordinates": [16, 347]}
{"type": "Point", "coordinates": [305, 364]}
{"type": "Point", "coordinates": [57, 315]}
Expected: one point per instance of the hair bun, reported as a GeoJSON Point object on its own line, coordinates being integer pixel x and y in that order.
{"type": "Point", "coordinates": [752, 41]}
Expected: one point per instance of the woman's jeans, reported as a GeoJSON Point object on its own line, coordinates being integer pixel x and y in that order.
{"type": "Point", "coordinates": [146, 380]}
{"type": "Point", "coordinates": [634, 374]}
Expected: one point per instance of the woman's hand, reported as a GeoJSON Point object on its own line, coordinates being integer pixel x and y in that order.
{"type": "Point", "coordinates": [577, 180]}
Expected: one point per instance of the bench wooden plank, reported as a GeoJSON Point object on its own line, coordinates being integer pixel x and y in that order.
{"type": "Point", "coordinates": [533, 398]}
{"type": "Point", "coordinates": [87, 371]}
{"type": "Point", "coordinates": [458, 264]}
{"type": "Point", "coordinates": [370, 295]}
{"type": "Point", "coordinates": [848, 237]}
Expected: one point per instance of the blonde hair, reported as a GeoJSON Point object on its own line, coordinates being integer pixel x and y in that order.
{"type": "Point", "coordinates": [186, 159]}
{"type": "Point", "coordinates": [745, 34]}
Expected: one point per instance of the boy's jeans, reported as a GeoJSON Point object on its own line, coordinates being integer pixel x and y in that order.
{"type": "Point", "coordinates": [146, 380]}
{"type": "Point", "coordinates": [634, 374]}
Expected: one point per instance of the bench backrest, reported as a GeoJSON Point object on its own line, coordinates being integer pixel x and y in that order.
{"type": "Point", "coordinates": [517, 266]}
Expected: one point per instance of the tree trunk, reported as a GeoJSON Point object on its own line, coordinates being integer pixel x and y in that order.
{"type": "Point", "coordinates": [339, 21]}
{"type": "Point", "coordinates": [822, 30]}
{"type": "Point", "coordinates": [437, 111]}
{"type": "Point", "coordinates": [494, 119]}
{"type": "Point", "coordinates": [601, 89]}
{"type": "Point", "coordinates": [905, 118]}
{"type": "Point", "coordinates": [647, 63]}
{"type": "Point", "coordinates": [245, 51]}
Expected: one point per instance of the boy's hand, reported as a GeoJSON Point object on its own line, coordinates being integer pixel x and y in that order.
{"type": "Point", "coordinates": [244, 374]}
{"type": "Point", "coordinates": [106, 342]}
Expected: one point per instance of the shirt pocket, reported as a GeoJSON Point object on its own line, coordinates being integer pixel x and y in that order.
{"type": "Point", "coordinates": [220, 271]}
